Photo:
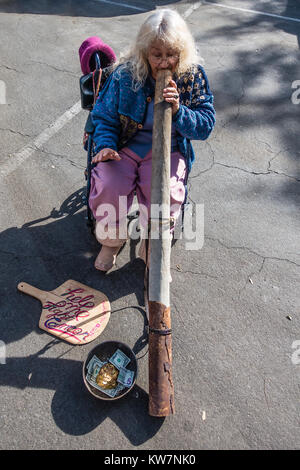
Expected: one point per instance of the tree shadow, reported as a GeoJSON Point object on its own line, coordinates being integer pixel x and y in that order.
{"type": "Point", "coordinates": [292, 10]}
{"type": "Point", "coordinates": [255, 91]}
{"type": "Point", "coordinates": [244, 23]}
{"type": "Point", "coordinates": [89, 8]}
{"type": "Point", "coordinates": [46, 252]}
{"type": "Point", "coordinates": [74, 409]}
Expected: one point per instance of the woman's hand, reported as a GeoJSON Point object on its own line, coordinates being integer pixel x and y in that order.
{"type": "Point", "coordinates": [171, 95]}
{"type": "Point", "coordinates": [106, 154]}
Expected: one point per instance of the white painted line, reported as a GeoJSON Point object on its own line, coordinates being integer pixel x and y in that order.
{"type": "Point", "coordinates": [184, 15]}
{"type": "Point", "coordinates": [190, 10]}
{"type": "Point", "coordinates": [122, 5]}
{"type": "Point", "coordinates": [256, 12]}
{"type": "Point", "coordinates": [18, 158]}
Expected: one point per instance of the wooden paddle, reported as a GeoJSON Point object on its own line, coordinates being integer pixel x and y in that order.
{"type": "Point", "coordinates": [72, 312]}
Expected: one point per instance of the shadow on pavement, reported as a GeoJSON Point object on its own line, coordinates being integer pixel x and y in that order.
{"type": "Point", "coordinates": [90, 8]}
{"type": "Point", "coordinates": [45, 253]}
{"type": "Point", "coordinates": [48, 251]}
{"type": "Point", "coordinates": [74, 410]}
{"type": "Point", "coordinates": [292, 10]}
{"type": "Point", "coordinates": [257, 87]}
{"type": "Point", "coordinates": [245, 23]}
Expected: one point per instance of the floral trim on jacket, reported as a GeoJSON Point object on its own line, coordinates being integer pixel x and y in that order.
{"type": "Point", "coordinates": [129, 129]}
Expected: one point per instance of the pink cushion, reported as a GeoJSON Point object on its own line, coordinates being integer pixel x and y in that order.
{"type": "Point", "coordinates": [87, 49]}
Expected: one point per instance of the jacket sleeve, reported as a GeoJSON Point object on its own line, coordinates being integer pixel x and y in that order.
{"type": "Point", "coordinates": [105, 116]}
{"type": "Point", "coordinates": [195, 118]}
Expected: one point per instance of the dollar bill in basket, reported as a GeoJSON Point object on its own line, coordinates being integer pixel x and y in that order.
{"type": "Point", "coordinates": [119, 359]}
{"type": "Point", "coordinates": [125, 377]}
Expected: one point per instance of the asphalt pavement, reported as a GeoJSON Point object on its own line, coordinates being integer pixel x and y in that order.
{"type": "Point", "coordinates": [234, 300]}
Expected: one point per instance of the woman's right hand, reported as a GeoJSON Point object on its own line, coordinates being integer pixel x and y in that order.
{"type": "Point", "coordinates": [106, 154]}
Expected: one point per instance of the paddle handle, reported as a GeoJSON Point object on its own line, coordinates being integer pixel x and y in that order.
{"type": "Point", "coordinates": [31, 290]}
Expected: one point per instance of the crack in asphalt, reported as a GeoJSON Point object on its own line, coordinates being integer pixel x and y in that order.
{"type": "Point", "coordinates": [15, 132]}
{"type": "Point", "coordinates": [194, 272]}
{"type": "Point", "coordinates": [52, 67]}
{"type": "Point", "coordinates": [253, 273]}
{"type": "Point", "coordinates": [80, 167]}
{"type": "Point", "coordinates": [275, 258]}
{"type": "Point", "coordinates": [10, 68]}
{"type": "Point", "coordinates": [252, 172]}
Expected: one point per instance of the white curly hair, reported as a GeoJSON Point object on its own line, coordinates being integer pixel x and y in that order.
{"type": "Point", "coordinates": [168, 27]}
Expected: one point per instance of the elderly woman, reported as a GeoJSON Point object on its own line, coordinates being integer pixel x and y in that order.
{"type": "Point", "coordinates": [123, 119]}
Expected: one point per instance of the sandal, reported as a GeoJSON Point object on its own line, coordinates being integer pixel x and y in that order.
{"type": "Point", "coordinates": [106, 259]}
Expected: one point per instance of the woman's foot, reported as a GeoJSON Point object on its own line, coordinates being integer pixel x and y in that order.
{"type": "Point", "coordinates": [106, 259]}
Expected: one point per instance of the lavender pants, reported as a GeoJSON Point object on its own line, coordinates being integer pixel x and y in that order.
{"type": "Point", "coordinates": [113, 184]}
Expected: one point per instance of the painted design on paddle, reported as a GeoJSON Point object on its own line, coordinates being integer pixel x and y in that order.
{"type": "Point", "coordinates": [73, 308]}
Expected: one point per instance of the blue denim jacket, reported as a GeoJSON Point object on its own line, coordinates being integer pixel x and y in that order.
{"type": "Point", "coordinates": [120, 111]}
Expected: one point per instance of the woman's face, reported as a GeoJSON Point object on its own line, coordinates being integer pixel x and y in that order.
{"type": "Point", "coordinates": [161, 56]}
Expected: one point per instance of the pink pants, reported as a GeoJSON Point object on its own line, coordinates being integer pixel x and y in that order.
{"type": "Point", "coordinates": [112, 179]}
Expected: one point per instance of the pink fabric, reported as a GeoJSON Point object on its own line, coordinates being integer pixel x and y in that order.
{"type": "Point", "coordinates": [87, 49]}
{"type": "Point", "coordinates": [112, 179]}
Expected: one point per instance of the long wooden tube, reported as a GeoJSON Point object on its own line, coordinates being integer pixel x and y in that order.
{"type": "Point", "coordinates": [161, 388]}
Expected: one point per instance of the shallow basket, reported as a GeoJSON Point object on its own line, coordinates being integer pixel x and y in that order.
{"type": "Point", "coordinates": [104, 351]}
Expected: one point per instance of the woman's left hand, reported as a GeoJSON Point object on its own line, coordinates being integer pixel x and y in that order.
{"type": "Point", "coordinates": [171, 95]}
